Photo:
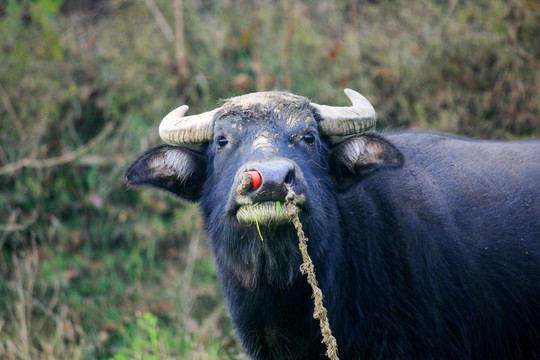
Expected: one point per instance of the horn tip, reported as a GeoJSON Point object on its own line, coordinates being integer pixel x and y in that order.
{"type": "Point", "coordinates": [350, 92]}
{"type": "Point", "coordinates": [169, 120]}
{"type": "Point", "coordinates": [353, 95]}
{"type": "Point", "coordinates": [181, 110]}
{"type": "Point", "coordinates": [357, 98]}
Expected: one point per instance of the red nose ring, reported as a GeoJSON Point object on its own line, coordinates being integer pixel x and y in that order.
{"type": "Point", "coordinates": [255, 178]}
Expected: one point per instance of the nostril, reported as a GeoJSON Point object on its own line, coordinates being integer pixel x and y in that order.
{"type": "Point", "coordinates": [289, 178]}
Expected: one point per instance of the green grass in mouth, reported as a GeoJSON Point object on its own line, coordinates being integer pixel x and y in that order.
{"type": "Point", "coordinates": [262, 214]}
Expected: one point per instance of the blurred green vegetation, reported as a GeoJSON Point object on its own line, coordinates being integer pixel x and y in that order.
{"type": "Point", "coordinates": [90, 269]}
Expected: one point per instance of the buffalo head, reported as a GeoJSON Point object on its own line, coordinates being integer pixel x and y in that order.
{"type": "Point", "coordinates": [285, 140]}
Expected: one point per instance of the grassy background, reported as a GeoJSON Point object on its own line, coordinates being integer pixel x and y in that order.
{"type": "Point", "coordinates": [89, 269]}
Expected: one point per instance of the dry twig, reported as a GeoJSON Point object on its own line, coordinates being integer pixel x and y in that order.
{"type": "Point", "coordinates": [160, 20]}
{"type": "Point", "coordinates": [58, 160]}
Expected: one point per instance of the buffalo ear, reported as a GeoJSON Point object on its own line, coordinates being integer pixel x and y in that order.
{"type": "Point", "coordinates": [358, 156]}
{"type": "Point", "coordinates": [172, 168]}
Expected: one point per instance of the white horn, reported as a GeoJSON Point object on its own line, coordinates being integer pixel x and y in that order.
{"type": "Point", "coordinates": [175, 128]}
{"type": "Point", "coordinates": [347, 120]}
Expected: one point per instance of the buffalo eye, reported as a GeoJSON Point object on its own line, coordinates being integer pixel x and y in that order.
{"type": "Point", "coordinates": [309, 138]}
{"type": "Point", "coordinates": [221, 141]}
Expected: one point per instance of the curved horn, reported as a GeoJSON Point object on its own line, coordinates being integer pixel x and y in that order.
{"type": "Point", "coordinates": [347, 120]}
{"type": "Point", "coordinates": [177, 129]}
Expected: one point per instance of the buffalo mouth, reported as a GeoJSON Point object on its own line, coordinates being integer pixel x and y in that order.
{"type": "Point", "coordinates": [266, 213]}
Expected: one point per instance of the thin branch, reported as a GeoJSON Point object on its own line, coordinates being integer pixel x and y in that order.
{"type": "Point", "coordinates": [59, 160]}
{"type": "Point", "coordinates": [19, 227]}
{"type": "Point", "coordinates": [11, 112]}
{"type": "Point", "coordinates": [287, 46]}
{"type": "Point", "coordinates": [160, 20]}
{"type": "Point", "coordinates": [258, 65]}
{"type": "Point", "coordinates": [188, 274]}
{"type": "Point", "coordinates": [180, 42]}
{"type": "Point", "coordinates": [212, 319]}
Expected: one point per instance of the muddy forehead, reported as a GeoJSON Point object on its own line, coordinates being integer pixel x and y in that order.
{"type": "Point", "coordinates": [268, 98]}
{"type": "Point", "coordinates": [267, 117]}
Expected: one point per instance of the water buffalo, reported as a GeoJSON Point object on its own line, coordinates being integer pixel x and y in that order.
{"type": "Point", "coordinates": [425, 245]}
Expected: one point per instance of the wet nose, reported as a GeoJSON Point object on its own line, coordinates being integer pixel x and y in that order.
{"type": "Point", "coordinates": [269, 181]}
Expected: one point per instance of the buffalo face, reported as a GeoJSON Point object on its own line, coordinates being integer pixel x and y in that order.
{"type": "Point", "coordinates": [279, 139]}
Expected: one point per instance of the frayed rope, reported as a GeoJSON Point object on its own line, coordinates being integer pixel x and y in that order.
{"type": "Point", "coordinates": [307, 268]}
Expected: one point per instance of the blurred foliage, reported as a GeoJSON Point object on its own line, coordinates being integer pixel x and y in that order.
{"type": "Point", "coordinates": [90, 269]}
